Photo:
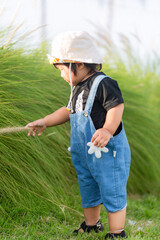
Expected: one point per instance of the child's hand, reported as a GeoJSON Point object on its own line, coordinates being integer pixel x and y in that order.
{"type": "Point", "coordinates": [36, 126]}
{"type": "Point", "coordinates": [101, 137]}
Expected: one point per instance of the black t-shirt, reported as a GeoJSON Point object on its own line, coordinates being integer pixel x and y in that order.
{"type": "Point", "coordinates": [108, 95]}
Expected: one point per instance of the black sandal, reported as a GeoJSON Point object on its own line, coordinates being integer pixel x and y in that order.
{"type": "Point", "coordinates": [86, 228]}
{"type": "Point", "coordinates": [116, 235]}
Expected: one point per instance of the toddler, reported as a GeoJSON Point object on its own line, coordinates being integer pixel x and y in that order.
{"type": "Point", "coordinates": [99, 148]}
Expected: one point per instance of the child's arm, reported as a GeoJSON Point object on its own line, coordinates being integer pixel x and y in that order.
{"type": "Point", "coordinates": [58, 117]}
{"type": "Point", "coordinates": [102, 136]}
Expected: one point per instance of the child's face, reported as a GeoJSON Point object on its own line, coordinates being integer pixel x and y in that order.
{"type": "Point", "coordinates": [65, 73]}
{"type": "Point", "coordinates": [80, 76]}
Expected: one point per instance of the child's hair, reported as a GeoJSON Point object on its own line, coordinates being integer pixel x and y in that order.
{"type": "Point", "coordinates": [92, 66]}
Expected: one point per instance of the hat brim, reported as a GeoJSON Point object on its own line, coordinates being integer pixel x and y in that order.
{"type": "Point", "coordinates": [53, 60]}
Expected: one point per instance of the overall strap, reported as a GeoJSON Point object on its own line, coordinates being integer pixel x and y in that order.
{"type": "Point", "coordinates": [92, 93]}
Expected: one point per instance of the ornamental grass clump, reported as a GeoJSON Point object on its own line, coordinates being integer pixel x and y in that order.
{"type": "Point", "coordinates": [40, 168]}
{"type": "Point", "coordinates": [37, 167]}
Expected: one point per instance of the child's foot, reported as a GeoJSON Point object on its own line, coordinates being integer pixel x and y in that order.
{"type": "Point", "coordinates": [86, 228]}
{"type": "Point", "coordinates": [116, 235]}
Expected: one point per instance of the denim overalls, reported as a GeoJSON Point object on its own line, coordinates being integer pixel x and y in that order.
{"type": "Point", "coordinates": [102, 180]}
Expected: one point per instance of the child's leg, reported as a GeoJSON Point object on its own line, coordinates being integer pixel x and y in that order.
{"type": "Point", "coordinates": [92, 221]}
{"type": "Point", "coordinates": [117, 221]}
{"type": "Point", "coordinates": [92, 214]}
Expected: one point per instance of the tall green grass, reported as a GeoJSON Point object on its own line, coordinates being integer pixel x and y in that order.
{"type": "Point", "coordinates": [39, 168]}
{"type": "Point", "coordinates": [35, 167]}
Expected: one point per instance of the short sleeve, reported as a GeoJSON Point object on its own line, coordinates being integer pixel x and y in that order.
{"type": "Point", "coordinates": [109, 93]}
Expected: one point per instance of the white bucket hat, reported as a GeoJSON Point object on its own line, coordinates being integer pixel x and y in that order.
{"type": "Point", "coordinates": [74, 46]}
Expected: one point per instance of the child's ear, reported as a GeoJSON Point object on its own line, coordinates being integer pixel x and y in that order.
{"type": "Point", "coordinates": [80, 66]}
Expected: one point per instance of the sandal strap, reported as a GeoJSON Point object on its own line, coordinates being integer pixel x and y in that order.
{"type": "Point", "coordinates": [83, 226]}
{"type": "Point", "coordinates": [87, 228]}
{"type": "Point", "coordinates": [97, 227]}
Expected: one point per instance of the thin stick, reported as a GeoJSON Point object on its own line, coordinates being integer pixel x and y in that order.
{"type": "Point", "coordinates": [13, 129]}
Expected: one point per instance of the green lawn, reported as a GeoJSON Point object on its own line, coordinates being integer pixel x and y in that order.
{"type": "Point", "coordinates": [51, 222]}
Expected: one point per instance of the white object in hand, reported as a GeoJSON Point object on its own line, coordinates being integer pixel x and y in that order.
{"type": "Point", "coordinates": [96, 150]}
